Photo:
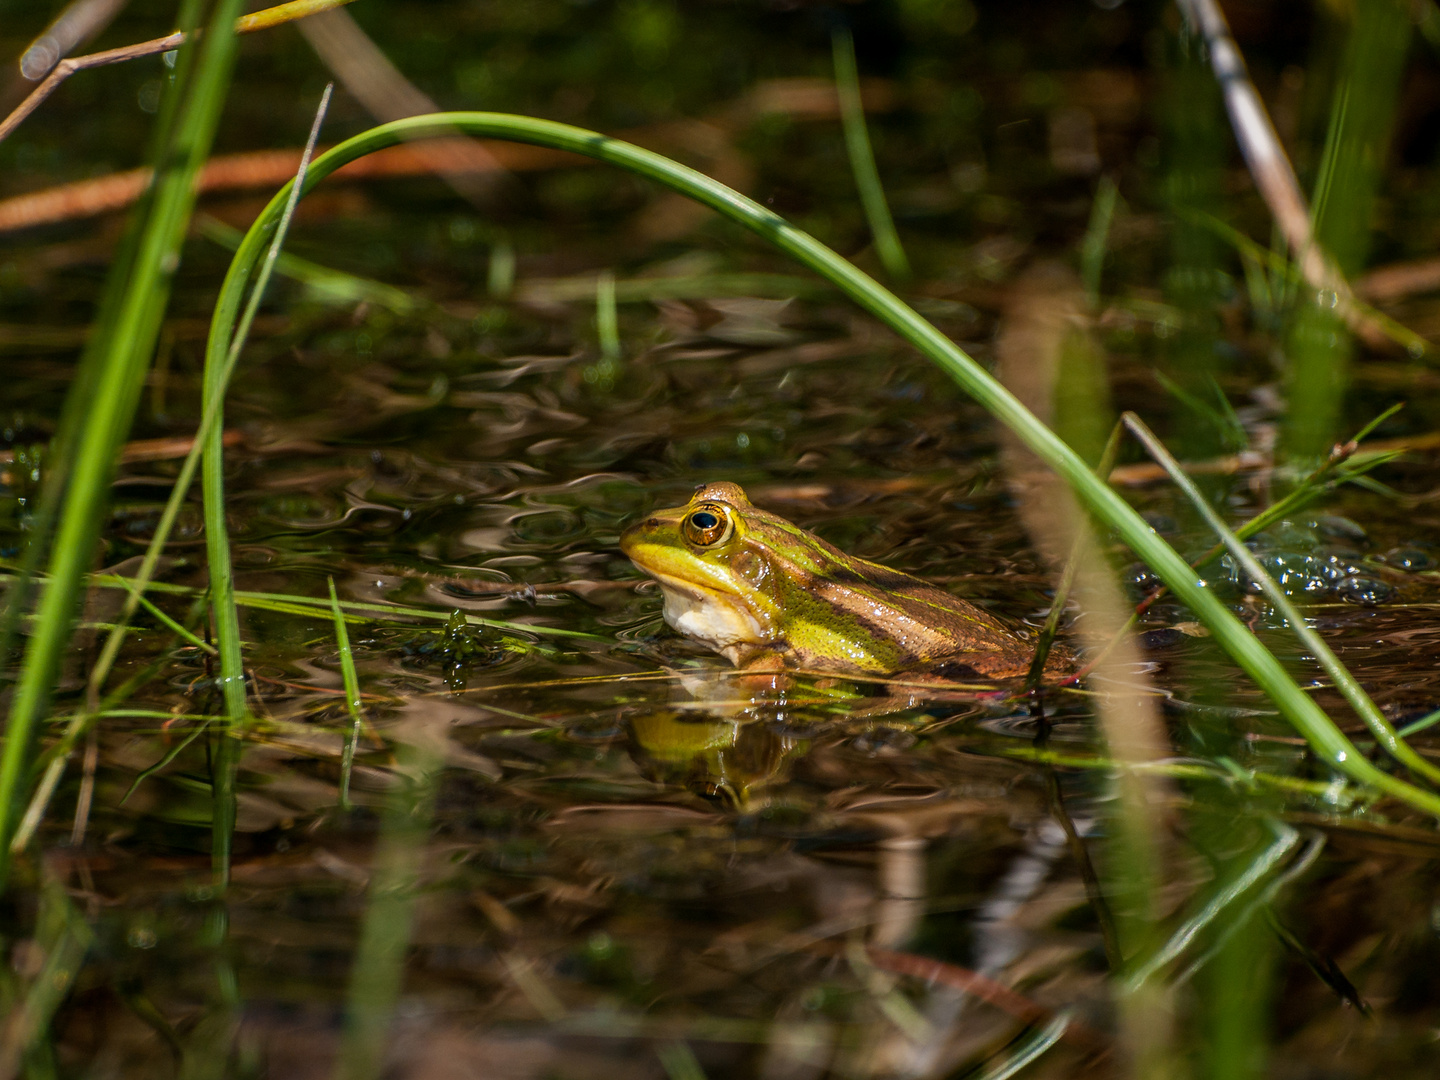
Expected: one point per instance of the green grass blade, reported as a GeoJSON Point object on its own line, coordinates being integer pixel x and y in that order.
{"type": "Point", "coordinates": [272, 255]}
{"type": "Point", "coordinates": [1222, 899]}
{"type": "Point", "coordinates": [379, 965]}
{"type": "Point", "coordinates": [170, 755]}
{"type": "Point", "coordinates": [324, 282]}
{"type": "Point", "coordinates": [217, 536]}
{"type": "Point", "coordinates": [1285, 279]}
{"type": "Point", "coordinates": [170, 624]}
{"type": "Point", "coordinates": [1366, 431]}
{"type": "Point", "coordinates": [1046, 638]}
{"type": "Point", "coordinates": [1227, 425]}
{"type": "Point", "coordinates": [1032, 1049]}
{"type": "Point", "coordinates": [65, 945]}
{"type": "Point", "coordinates": [57, 755]}
{"type": "Point", "coordinates": [296, 604]}
{"type": "Point", "coordinates": [862, 160]}
{"type": "Point", "coordinates": [1415, 727]}
{"type": "Point", "coordinates": [1097, 240]}
{"type": "Point", "coordinates": [1327, 741]}
{"type": "Point", "coordinates": [607, 317]}
{"type": "Point", "coordinates": [1239, 922]}
{"type": "Point", "coordinates": [120, 363]}
{"type": "Point", "coordinates": [352, 696]}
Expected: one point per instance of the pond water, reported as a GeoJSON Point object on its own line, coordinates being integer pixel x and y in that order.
{"type": "Point", "coordinates": [608, 854]}
{"type": "Point", "coordinates": [576, 845]}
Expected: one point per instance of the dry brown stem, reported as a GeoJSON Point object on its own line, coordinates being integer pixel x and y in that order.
{"type": "Point", "coordinates": [1148, 472]}
{"type": "Point", "coordinates": [246, 24]}
{"type": "Point", "coordinates": [1272, 172]}
{"type": "Point", "coordinates": [80, 21]}
{"type": "Point", "coordinates": [806, 99]}
{"type": "Point", "coordinates": [236, 172]}
{"type": "Point", "coordinates": [366, 72]}
{"type": "Point", "coordinates": [1040, 339]}
{"type": "Point", "coordinates": [1386, 284]}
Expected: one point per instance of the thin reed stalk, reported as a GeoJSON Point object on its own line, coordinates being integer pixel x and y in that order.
{"type": "Point", "coordinates": [1046, 638]}
{"type": "Point", "coordinates": [1271, 169]}
{"type": "Point", "coordinates": [607, 317]}
{"type": "Point", "coordinates": [225, 615]}
{"type": "Point", "coordinates": [862, 160]}
{"type": "Point", "coordinates": [1097, 239]}
{"type": "Point", "coordinates": [1331, 471]}
{"type": "Point", "coordinates": [1362, 113]}
{"type": "Point", "coordinates": [352, 696]}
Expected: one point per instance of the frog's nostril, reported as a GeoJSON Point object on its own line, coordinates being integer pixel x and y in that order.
{"type": "Point", "coordinates": [653, 523]}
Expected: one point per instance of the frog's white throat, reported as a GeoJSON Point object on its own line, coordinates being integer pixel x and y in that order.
{"type": "Point", "coordinates": [717, 620]}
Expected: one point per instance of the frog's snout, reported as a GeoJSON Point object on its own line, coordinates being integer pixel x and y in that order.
{"type": "Point", "coordinates": [635, 532]}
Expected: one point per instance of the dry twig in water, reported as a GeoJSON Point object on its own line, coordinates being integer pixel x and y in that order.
{"type": "Point", "coordinates": [247, 24]}
{"type": "Point", "coordinates": [1273, 174]}
{"type": "Point", "coordinates": [78, 23]}
{"type": "Point", "coordinates": [800, 98]}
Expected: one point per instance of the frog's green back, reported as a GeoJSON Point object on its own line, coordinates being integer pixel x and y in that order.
{"type": "Point", "coordinates": [837, 605]}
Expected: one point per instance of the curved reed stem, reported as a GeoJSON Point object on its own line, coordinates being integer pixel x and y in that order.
{"type": "Point", "coordinates": [1326, 740]}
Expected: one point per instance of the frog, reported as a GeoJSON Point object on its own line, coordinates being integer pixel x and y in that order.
{"type": "Point", "coordinates": [769, 596]}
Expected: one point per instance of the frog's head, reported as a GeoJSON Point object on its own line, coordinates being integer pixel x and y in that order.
{"type": "Point", "coordinates": [712, 569]}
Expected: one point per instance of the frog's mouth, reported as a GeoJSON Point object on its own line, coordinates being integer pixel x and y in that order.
{"type": "Point", "coordinates": [719, 620]}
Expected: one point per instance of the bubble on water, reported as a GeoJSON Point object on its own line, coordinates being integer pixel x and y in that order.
{"type": "Point", "coordinates": [1163, 524]}
{"type": "Point", "coordinates": [1410, 558]}
{"type": "Point", "coordinates": [1296, 574]}
{"type": "Point", "coordinates": [1141, 577]}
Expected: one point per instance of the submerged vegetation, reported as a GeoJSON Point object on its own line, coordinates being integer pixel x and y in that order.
{"type": "Point", "coordinates": [369, 753]}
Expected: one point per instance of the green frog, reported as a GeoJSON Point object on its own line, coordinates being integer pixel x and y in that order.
{"type": "Point", "coordinates": [767, 595]}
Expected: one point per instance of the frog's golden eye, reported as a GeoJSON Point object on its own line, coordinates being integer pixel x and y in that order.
{"type": "Point", "coordinates": [707, 526]}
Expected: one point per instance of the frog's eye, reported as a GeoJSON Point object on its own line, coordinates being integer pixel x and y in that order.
{"type": "Point", "coordinates": [707, 526]}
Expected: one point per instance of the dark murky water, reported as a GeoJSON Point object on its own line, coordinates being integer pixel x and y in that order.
{"type": "Point", "coordinates": [628, 861]}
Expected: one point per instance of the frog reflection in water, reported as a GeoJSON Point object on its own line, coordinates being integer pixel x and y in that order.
{"type": "Point", "coordinates": [767, 595]}
{"type": "Point", "coordinates": [733, 761]}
